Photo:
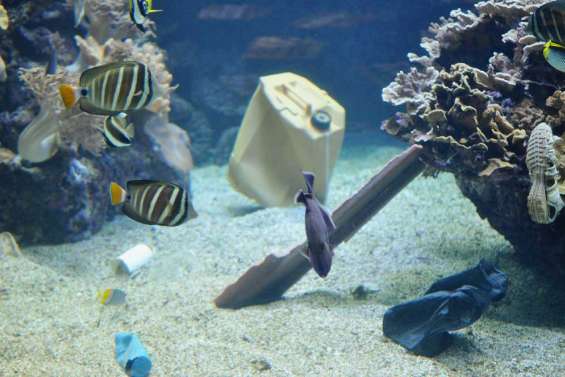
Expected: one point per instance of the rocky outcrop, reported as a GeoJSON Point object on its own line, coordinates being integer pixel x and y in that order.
{"type": "Point", "coordinates": [63, 196]}
{"type": "Point", "coordinates": [475, 108]}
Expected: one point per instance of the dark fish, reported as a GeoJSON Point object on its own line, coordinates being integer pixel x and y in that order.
{"type": "Point", "coordinates": [547, 22]}
{"type": "Point", "coordinates": [153, 202]}
{"type": "Point", "coordinates": [139, 10]}
{"type": "Point", "coordinates": [554, 54]}
{"type": "Point", "coordinates": [117, 131]}
{"type": "Point", "coordinates": [111, 88]}
{"type": "Point", "coordinates": [319, 227]}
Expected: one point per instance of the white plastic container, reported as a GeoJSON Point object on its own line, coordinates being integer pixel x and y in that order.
{"type": "Point", "coordinates": [133, 259]}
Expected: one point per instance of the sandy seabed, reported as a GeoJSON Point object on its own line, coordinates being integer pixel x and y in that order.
{"type": "Point", "coordinates": [49, 312]}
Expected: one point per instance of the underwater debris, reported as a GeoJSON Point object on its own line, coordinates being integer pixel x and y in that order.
{"type": "Point", "coordinates": [544, 200]}
{"type": "Point", "coordinates": [422, 325]}
{"type": "Point", "coordinates": [269, 279]}
{"type": "Point", "coordinates": [131, 355]}
{"type": "Point", "coordinates": [133, 259]}
{"type": "Point", "coordinates": [9, 246]}
{"type": "Point", "coordinates": [40, 140]}
{"type": "Point", "coordinates": [268, 135]}
{"type": "Point", "coordinates": [4, 18]}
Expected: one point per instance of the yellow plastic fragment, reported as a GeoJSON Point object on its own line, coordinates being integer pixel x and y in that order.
{"type": "Point", "coordinates": [4, 19]}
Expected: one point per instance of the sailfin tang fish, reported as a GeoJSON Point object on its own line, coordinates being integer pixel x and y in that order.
{"type": "Point", "coordinates": [319, 227]}
{"type": "Point", "coordinates": [111, 88]}
{"type": "Point", "coordinates": [547, 22]}
{"type": "Point", "coordinates": [153, 202]}
{"type": "Point", "coordinates": [111, 296]}
{"type": "Point", "coordinates": [118, 132]}
{"type": "Point", "coordinates": [554, 54]}
{"type": "Point", "coordinates": [139, 10]}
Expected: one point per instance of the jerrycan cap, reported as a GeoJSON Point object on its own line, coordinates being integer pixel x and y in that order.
{"type": "Point", "coordinates": [321, 120]}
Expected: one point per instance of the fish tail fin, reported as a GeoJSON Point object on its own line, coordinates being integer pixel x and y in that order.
{"type": "Point", "coordinates": [309, 178]}
{"type": "Point", "coordinates": [69, 95]}
{"type": "Point", "coordinates": [117, 194]}
{"type": "Point", "coordinates": [151, 10]}
{"type": "Point", "coordinates": [300, 197]}
{"type": "Point", "coordinates": [322, 262]}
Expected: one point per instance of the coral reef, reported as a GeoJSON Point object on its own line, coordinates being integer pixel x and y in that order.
{"type": "Point", "coordinates": [65, 195]}
{"type": "Point", "coordinates": [473, 100]}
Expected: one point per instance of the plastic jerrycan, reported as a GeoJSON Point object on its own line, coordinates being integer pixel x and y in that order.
{"type": "Point", "coordinates": [290, 126]}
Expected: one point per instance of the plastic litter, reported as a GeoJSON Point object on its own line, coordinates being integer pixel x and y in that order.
{"type": "Point", "coordinates": [290, 126]}
{"type": "Point", "coordinates": [131, 355]}
{"type": "Point", "coordinates": [422, 325]}
{"type": "Point", "coordinates": [133, 259]}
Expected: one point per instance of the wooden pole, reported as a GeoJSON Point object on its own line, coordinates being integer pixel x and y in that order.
{"type": "Point", "coordinates": [269, 279]}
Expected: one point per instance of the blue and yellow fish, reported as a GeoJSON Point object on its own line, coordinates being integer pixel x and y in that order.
{"type": "Point", "coordinates": [139, 10]}
{"type": "Point", "coordinates": [111, 296]}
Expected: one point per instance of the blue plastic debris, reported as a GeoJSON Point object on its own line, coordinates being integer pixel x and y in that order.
{"type": "Point", "coordinates": [131, 355]}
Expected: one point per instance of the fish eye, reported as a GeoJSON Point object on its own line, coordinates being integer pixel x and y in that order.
{"type": "Point", "coordinates": [144, 6]}
{"type": "Point", "coordinates": [84, 92]}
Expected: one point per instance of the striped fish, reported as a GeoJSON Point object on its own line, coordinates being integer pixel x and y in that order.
{"type": "Point", "coordinates": [111, 88]}
{"type": "Point", "coordinates": [139, 10]}
{"type": "Point", "coordinates": [117, 131]}
{"type": "Point", "coordinates": [547, 22]}
{"type": "Point", "coordinates": [153, 202]}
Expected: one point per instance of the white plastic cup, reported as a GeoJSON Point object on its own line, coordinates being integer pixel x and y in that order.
{"type": "Point", "coordinates": [135, 258]}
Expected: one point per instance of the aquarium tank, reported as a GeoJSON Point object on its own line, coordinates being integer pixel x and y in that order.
{"type": "Point", "coordinates": [284, 188]}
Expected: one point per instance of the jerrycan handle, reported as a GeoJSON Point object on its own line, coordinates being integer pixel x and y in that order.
{"type": "Point", "coordinates": [296, 98]}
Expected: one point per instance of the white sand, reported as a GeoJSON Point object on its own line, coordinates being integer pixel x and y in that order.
{"type": "Point", "coordinates": [49, 312]}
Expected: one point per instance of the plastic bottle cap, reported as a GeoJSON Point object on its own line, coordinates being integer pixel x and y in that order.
{"type": "Point", "coordinates": [321, 120]}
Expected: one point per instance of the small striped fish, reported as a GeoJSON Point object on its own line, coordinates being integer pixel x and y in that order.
{"type": "Point", "coordinates": [139, 10]}
{"type": "Point", "coordinates": [111, 88]}
{"type": "Point", "coordinates": [117, 131]}
{"type": "Point", "coordinates": [547, 22]}
{"type": "Point", "coordinates": [153, 202]}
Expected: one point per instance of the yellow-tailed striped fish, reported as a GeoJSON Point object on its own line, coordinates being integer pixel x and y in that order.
{"type": "Point", "coordinates": [547, 22]}
{"type": "Point", "coordinates": [153, 202]}
{"type": "Point", "coordinates": [139, 10]}
{"type": "Point", "coordinates": [111, 88]}
{"type": "Point", "coordinates": [118, 132]}
{"type": "Point", "coordinates": [554, 54]}
{"type": "Point", "coordinates": [111, 296]}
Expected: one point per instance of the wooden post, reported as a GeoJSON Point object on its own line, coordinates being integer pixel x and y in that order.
{"type": "Point", "coordinates": [268, 280]}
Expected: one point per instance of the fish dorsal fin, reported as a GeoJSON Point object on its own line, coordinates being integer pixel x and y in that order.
{"type": "Point", "coordinates": [309, 179]}
{"type": "Point", "coordinates": [144, 182]}
{"type": "Point", "coordinates": [327, 218]}
{"type": "Point", "coordinates": [94, 72]}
